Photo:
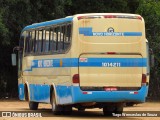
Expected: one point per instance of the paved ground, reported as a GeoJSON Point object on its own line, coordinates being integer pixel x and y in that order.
{"type": "Point", "coordinates": [89, 114]}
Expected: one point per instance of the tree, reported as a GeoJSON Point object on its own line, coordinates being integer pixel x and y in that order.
{"type": "Point", "coordinates": [150, 10]}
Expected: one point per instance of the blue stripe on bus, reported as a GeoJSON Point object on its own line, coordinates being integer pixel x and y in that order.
{"type": "Point", "coordinates": [73, 94]}
{"type": "Point", "coordinates": [40, 93]}
{"type": "Point", "coordinates": [52, 22]}
{"type": "Point", "coordinates": [87, 31]}
{"type": "Point", "coordinates": [91, 62]}
{"type": "Point", "coordinates": [21, 91]}
{"type": "Point", "coordinates": [108, 96]}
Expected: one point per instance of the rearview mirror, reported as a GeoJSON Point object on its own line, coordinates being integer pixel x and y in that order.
{"type": "Point", "coordinates": [13, 56]}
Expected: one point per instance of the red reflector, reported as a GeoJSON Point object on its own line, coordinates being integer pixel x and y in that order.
{"type": "Point", "coordinates": [110, 88]}
{"type": "Point", "coordinates": [85, 92]}
{"type": "Point", "coordinates": [75, 78]}
{"type": "Point", "coordinates": [139, 17]}
{"type": "Point", "coordinates": [80, 17]}
{"type": "Point", "coordinates": [109, 16]}
{"type": "Point", "coordinates": [135, 92]}
{"type": "Point", "coordinates": [144, 78]}
{"type": "Point", "coordinates": [111, 52]}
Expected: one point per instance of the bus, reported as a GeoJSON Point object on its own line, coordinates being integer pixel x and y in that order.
{"type": "Point", "coordinates": [96, 60]}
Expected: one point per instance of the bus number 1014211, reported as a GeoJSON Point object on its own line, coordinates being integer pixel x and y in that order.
{"type": "Point", "coordinates": [110, 64]}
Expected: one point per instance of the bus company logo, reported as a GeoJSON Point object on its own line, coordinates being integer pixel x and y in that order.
{"type": "Point", "coordinates": [83, 60]}
{"type": "Point", "coordinates": [110, 29]}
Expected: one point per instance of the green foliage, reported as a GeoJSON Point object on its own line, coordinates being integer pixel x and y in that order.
{"type": "Point", "coordinates": [3, 33]}
{"type": "Point", "coordinates": [150, 10]}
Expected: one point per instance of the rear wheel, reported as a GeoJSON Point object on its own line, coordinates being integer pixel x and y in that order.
{"type": "Point", "coordinates": [33, 105]}
{"type": "Point", "coordinates": [109, 110]}
{"type": "Point", "coordinates": [56, 109]}
{"type": "Point", "coordinates": [67, 109]}
{"type": "Point", "coordinates": [81, 109]}
{"type": "Point", "coordinates": [129, 104]}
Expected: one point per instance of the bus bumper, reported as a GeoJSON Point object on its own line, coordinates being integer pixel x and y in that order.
{"type": "Point", "coordinates": [79, 96]}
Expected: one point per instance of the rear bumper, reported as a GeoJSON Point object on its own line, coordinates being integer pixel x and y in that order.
{"type": "Point", "coordinates": [108, 96]}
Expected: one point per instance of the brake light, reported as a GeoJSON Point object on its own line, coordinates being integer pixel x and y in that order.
{"type": "Point", "coordinates": [123, 16]}
{"type": "Point", "coordinates": [110, 88]}
{"type": "Point", "coordinates": [144, 78]}
{"type": "Point", "coordinates": [84, 92]}
{"type": "Point", "coordinates": [139, 17]}
{"type": "Point", "coordinates": [136, 92]}
{"type": "Point", "coordinates": [111, 52]}
{"type": "Point", "coordinates": [80, 17]}
{"type": "Point", "coordinates": [88, 17]}
{"type": "Point", "coordinates": [75, 78]}
{"type": "Point", "coordinates": [110, 16]}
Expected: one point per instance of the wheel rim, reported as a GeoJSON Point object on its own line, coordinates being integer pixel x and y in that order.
{"type": "Point", "coordinates": [53, 103]}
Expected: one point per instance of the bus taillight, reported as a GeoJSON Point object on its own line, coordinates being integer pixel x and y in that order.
{"type": "Point", "coordinates": [144, 79]}
{"type": "Point", "coordinates": [139, 17]}
{"type": "Point", "coordinates": [123, 16]}
{"type": "Point", "coordinates": [110, 16]}
{"type": "Point", "coordinates": [80, 17]}
{"type": "Point", "coordinates": [111, 53]}
{"type": "Point", "coordinates": [110, 88]}
{"type": "Point", "coordinates": [88, 17]}
{"type": "Point", "coordinates": [75, 78]}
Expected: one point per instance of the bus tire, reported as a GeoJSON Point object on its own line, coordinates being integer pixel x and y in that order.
{"type": "Point", "coordinates": [56, 109]}
{"type": "Point", "coordinates": [109, 110]}
{"type": "Point", "coordinates": [130, 104]}
{"type": "Point", "coordinates": [33, 105]}
{"type": "Point", "coordinates": [67, 110]}
{"type": "Point", "coordinates": [119, 108]}
{"type": "Point", "coordinates": [81, 109]}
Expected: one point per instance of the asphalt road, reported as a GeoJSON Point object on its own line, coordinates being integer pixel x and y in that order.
{"type": "Point", "coordinates": [150, 108]}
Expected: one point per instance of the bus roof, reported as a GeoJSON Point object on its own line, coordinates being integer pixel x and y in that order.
{"type": "Point", "coordinates": [69, 19]}
{"type": "Point", "coordinates": [47, 23]}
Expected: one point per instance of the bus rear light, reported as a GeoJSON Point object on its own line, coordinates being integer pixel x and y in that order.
{"type": "Point", "coordinates": [88, 17]}
{"type": "Point", "coordinates": [144, 78]}
{"type": "Point", "coordinates": [85, 93]}
{"type": "Point", "coordinates": [139, 17]}
{"type": "Point", "coordinates": [123, 16]}
{"type": "Point", "coordinates": [80, 17]}
{"type": "Point", "coordinates": [111, 53]}
{"type": "Point", "coordinates": [110, 88]}
{"type": "Point", "coordinates": [110, 16]}
{"type": "Point", "coordinates": [136, 92]}
{"type": "Point", "coordinates": [75, 78]}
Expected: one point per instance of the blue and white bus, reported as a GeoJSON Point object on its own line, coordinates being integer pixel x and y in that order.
{"type": "Point", "coordinates": [84, 61]}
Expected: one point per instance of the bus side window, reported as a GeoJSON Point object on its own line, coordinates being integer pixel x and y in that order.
{"type": "Point", "coordinates": [47, 40]}
{"type": "Point", "coordinates": [52, 41]}
{"type": "Point", "coordinates": [27, 43]}
{"type": "Point", "coordinates": [34, 41]}
{"type": "Point", "coordinates": [57, 37]}
{"type": "Point", "coordinates": [68, 37]}
{"type": "Point", "coordinates": [37, 41]}
{"type": "Point", "coordinates": [30, 42]}
{"type": "Point", "coordinates": [60, 41]}
{"type": "Point", "coordinates": [63, 38]}
{"type": "Point", "coordinates": [44, 41]}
